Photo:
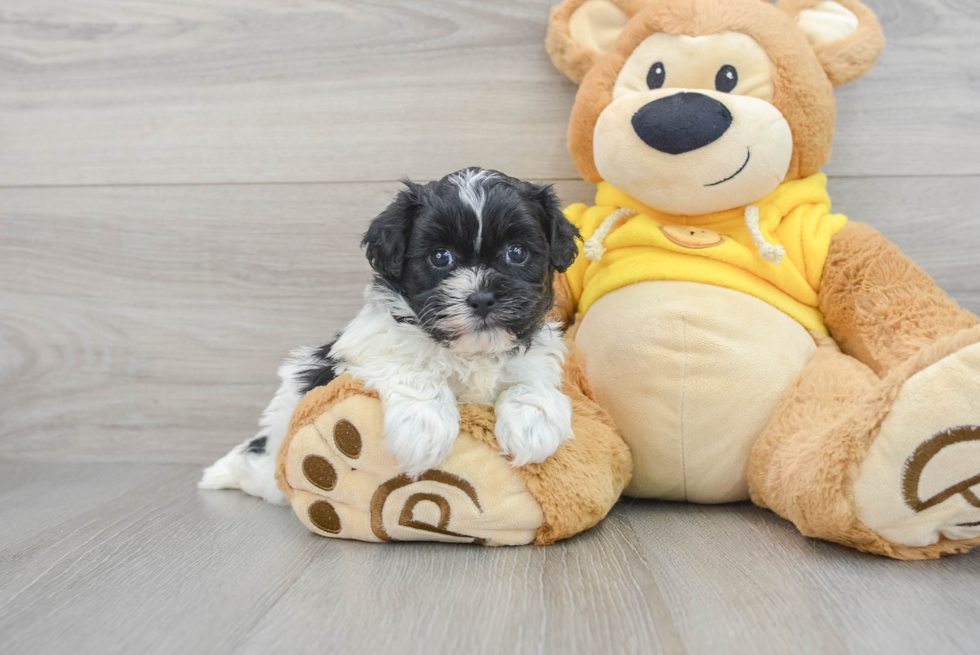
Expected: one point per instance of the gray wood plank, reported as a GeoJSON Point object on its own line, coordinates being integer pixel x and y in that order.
{"type": "Point", "coordinates": [157, 316]}
{"type": "Point", "coordinates": [33, 494]}
{"type": "Point", "coordinates": [162, 569]}
{"type": "Point", "coordinates": [936, 221]}
{"type": "Point", "coordinates": [740, 579]}
{"type": "Point", "coordinates": [142, 319]}
{"type": "Point", "coordinates": [146, 323]}
{"type": "Point", "coordinates": [581, 596]}
{"type": "Point", "coordinates": [916, 112]}
{"type": "Point", "coordinates": [220, 91]}
{"type": "Point", "coordinates": [165, 568]}
{"type": "Point", "coordinates": [41, 500]}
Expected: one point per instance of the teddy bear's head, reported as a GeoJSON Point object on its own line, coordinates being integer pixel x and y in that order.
{"type": "Point", "coordinates": [697, 106]}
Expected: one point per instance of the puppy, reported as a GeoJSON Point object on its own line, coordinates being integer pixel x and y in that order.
{"type": "Point", "coordinates": [455, 314]}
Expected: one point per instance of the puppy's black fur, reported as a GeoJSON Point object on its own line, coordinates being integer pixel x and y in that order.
{"type": "Point", "coordinates": [323, 373]}
{"type": "Point", "coordinates": [257, 445]}
{"type": "Point", "coordinates": [424, 218]}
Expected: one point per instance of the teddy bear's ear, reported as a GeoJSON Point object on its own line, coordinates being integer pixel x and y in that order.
{"type": "Point", "coordinates": [581, 30]}
{"type": "Point", "coordinates": [845, 35]}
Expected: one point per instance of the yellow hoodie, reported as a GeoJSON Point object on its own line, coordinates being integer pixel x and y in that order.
{"type": "Point", "coordinates": [714, 248]}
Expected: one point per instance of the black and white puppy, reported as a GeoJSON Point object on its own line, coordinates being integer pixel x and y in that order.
{"type": "Point", "coordinates": [455, 314]}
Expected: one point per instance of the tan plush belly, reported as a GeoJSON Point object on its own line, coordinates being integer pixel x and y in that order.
{"type": "Point", "coordinates": [691, 373]}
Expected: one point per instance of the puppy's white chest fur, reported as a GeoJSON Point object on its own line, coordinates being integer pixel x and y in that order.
{"type": "Point", "coordinates": [479, 384]}
{"type": "Point", "coordinates": [421, 382]}
{"type": "Point", "coordinates": [386, 352]}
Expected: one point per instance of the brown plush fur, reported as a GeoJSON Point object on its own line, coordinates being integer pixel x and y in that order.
{"type": "Point", "coordinates": [574, 493]}
{"type": "Point", "coordinates": [804, 465]}
{"type": "Point", "coordinates": [848, 59]}
{"type": "Point", "coordinates": [880, 307]}
{"type": "Point", "coordinates": [564, 307]}
{"type": "Point", "coordinates": [568, 56]}
{"type": "Point", "coordinates": [803, 77]}
{"type": "Point", "coordinates": [576, 487]}
{"type": "Point", "coordinates": [886, 314]}
{"type": "Point", "coordinates": [307, 411]}
{"type": "Point", "coordinates": [891, 320]}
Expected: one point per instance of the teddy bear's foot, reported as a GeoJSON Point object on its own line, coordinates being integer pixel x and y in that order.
{"type": "Point", "coordinates": [920, 479]}
{"type": "Point", "coordinates": [888, 466]}
{"type": "Point", "coordinates": [342, 483]}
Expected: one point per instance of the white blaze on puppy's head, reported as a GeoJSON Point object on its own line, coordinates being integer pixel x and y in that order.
{"type": "Point", "coordinates": [472, 193]}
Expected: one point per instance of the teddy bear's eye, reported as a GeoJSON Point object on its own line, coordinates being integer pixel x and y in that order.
{"type": "Point", "coordinates": [726, 79]}
{"type": "Point", "coordinates": [656, 76]}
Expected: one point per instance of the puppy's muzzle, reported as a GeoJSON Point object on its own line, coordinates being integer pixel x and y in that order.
{"type": "Point", "coordinates": [681, 123]}
{"type": "Point", "coordinates": [481, 302]}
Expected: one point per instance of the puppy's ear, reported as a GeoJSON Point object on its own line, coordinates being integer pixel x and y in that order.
{"type": "Point", "coordinates": [560, 232]}
{"type": "Point", "coordinates": [387, 237]}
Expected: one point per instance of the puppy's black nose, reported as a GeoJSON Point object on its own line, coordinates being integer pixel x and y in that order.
{"type": "Point", "coordinates": [682, 122]}
{"type": "Point", "coordinates": [481, 302]}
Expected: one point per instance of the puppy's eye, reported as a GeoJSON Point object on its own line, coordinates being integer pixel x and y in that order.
{"type": "Point", "coordinates": [441, 258]}
{"type": "Point", "coordinates": [656, 76]}
{"type": "Point", "coordinates": [516, 254]}
{"type": "Point", "coordinates": [726, 79]}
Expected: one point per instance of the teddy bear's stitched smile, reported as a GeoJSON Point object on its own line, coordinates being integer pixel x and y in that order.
{"type": "Point", "coordinates": [748, 156]}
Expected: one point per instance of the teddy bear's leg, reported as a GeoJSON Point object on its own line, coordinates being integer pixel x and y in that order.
{"type": "Point", "coordinates": [887, 464]}
{"type": "Point", "coordinates": [879, 305]}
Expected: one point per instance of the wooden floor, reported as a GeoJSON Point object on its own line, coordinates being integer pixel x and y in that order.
{"type": "Point", "coordinates": [182, 187]}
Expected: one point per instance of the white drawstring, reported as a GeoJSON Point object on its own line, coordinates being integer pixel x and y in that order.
{"type": "Point", "coordinates": [593, 247]}
{"type": "Point", "coordinates": [769, 252]}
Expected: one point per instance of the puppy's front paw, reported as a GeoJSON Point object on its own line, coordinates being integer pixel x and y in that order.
{"type": "Point", "coordinates": [532, 424]}
{"type": "Point", "coordinates": [419, 433]}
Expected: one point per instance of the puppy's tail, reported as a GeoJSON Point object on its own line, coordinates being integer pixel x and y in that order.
{"type": "Point", "coordinates": [249, 467]}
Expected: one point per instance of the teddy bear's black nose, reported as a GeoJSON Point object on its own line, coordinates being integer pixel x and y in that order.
{"type": "Point", "coordinates": [681, 123]}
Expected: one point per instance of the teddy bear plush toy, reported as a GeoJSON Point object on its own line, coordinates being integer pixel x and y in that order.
{"type": "Point", "coordinates": [748, 342]}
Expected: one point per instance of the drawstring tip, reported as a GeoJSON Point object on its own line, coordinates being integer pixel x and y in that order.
{"type": "Point", "coordinates": [773, 254]}
{"type": "Point", "coordinates": [768, 251]}
{"type": "Point", "coordinates": [594, 251]}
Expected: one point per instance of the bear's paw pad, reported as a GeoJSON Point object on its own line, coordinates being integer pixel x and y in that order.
{"type": "Point", "coordinates": [342, 483]}
{"type": "Point", "coordinates": [921, 477]}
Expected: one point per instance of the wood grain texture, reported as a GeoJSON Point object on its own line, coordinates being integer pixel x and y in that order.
{"type": "Point", "coordinates": [183, 186]}
{"type": "Point", "coordinates": [146, 323]}
{"type": "Point", "coordinates": [160, 567]}
{"type": "Point", "coordinates": [161, 313]}
{"type": "Point", "coordinates": [134, 559]}
{"type": "Point", "coordinates": [204, 91]}
{"type": "Point", "coordinates": [745, 581]}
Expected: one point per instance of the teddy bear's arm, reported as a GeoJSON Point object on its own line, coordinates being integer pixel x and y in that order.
{"type": "Point", "coordinates": [880, 307]}
{"type": "Point", "coordinates": [563, 309]}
